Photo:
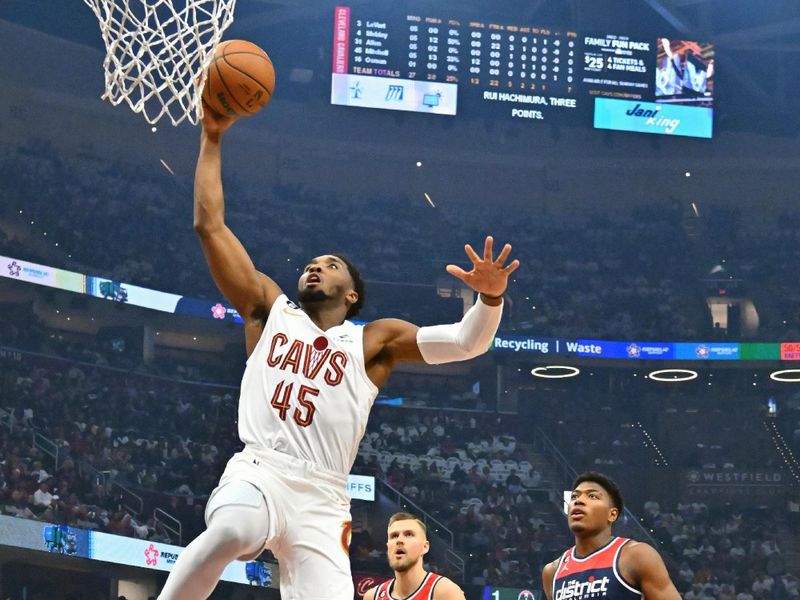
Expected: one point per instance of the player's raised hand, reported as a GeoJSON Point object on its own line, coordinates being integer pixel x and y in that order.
{"type": "Point", "coordinates": [214, 123]}
{"type": "Point", "coordinates": [489, 276]}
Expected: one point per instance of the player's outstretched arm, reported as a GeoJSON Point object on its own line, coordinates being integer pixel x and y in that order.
{"type": "Point", "coordinates": [650, 573]}
{"type": "Point", "coordinates": [251, 293]}
{"type": "Point", "coordinates": [388, 341]}
{"type": "Point", "coordinates": [447, 590]}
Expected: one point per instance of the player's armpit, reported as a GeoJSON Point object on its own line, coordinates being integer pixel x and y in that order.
{"type": "Point", "coordinates": [391, 341]}
{"type": "Point", "coordinates": [650, 572]}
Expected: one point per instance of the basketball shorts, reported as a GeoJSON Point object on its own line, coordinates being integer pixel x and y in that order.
{"type": "Point", "coordinates": [309, 524]}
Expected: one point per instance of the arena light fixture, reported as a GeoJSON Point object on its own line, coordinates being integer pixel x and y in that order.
{"type": "Point", "coordinates": [673, 375]}
{"type": "Point", "coordinates": [786, 376]}
{"type": "Point", "coordinates": [555, 371]}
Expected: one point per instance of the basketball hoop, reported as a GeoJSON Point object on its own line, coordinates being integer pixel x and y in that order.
{"type": "Point", "coordinates": [157, 53]}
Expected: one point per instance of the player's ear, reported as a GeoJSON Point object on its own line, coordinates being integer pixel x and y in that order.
{"type": "Point", "coordinates": [426, 547]}
{"type": "Point", "coordinates": [613, 514]}
{"type": "Point", "coordinates": [351, 297]}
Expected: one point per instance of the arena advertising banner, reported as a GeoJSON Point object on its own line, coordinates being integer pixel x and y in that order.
{"type": "Point", "coordinates": [115, 290]}
{"type": "Point", "coordinates": [655, 350]}
{"type": "Point", "coordinates": [95, 545]}
{"type": "Point", "coordinates": [623, 350]}
{"type": "Point", "coordinates": [652, 117]}
{"type": "Point", "coordinates": [790, 351]}
{"type": "Point", "coordinates": [125, 293]}
{"type": "Point", "coordinates": [361, 487]}
{"type": "Point", "coordinates": [758, 351]}
{"type": "Point", "coordinates": [608, 349]}
{"type": "Point", "coordinates": [22, 270]}
{"type": "Point", "coordinates": [734, 482]}
{"type": "Point", "coordinates": [707, 351]}
{"type": "Point", "coordinates": [194, 307]}
{"type": "Point", "coordinates": [161, 557]}
{"type": "Point", "coordinates": [521, 343]}
{"type": "Point", "coordinates": [393, 94]}
{"type": "Point", "coordinates": [46, 537]}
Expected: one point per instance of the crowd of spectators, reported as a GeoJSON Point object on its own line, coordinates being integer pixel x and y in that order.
{"type": "Point", "coordinates": [587, 274]}
{"type": "Point", "coordinates": [758, 255]}
{"type": "Point", "coordinates": [167, 442]}
{"type": "Point", "coordinates": [467, 470]}
{"type": "Point", "coordinates": [788, 407]}
{"type": "Point", "coordinates": [118, 348]}
{"type": "Point", "coordinates": [635, 425]}
{"type": "Point", "coordinates": [65, 494]}
{"type": "Point", "coordinates": [725, 553]}
{"type": "Point", "coordinates": [151, 434]}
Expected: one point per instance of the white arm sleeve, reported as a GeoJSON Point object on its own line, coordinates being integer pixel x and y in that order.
{"type": "Point", "coordinates": [460, 341]}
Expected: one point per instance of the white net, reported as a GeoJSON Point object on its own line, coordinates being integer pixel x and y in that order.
{"type": "Point", "coordinates": [157, 52]}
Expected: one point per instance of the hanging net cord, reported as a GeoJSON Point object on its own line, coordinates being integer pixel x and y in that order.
{"type": "Point", "coordinates": [157, 53]}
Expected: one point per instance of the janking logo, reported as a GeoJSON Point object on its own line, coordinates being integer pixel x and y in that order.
{"type": "Point", "coordinates": [654, 117]}
{"type": "Point", "coordinates": [151, 555]}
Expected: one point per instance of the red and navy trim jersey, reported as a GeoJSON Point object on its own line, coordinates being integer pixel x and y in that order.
{"type": "Point", "coordinates": [593, 577]}
{"type": "Point", "coordinates": [423, 592]}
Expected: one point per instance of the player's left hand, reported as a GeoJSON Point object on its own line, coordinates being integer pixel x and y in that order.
{"type": "Point", "coordinates": [488, 276]}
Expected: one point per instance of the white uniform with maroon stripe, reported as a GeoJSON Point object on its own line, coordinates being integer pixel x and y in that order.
{"type": "Point", "coordinates": [305, 391]}
{"type": "Point", "coordinates": [303, 409]}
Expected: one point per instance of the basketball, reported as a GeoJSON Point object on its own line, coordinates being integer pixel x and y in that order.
{"type": "Point", "coordinates": [240, 79]}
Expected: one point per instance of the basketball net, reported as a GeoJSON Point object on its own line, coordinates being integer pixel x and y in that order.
{"type": "Point", "coordinates": [157, 53]}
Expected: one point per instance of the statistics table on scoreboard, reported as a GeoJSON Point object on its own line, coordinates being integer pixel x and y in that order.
{"type": "Point", "coordinates": [434, 64]}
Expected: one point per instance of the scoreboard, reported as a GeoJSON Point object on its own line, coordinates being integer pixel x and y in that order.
{"type": "Point", "coordinates": [448, 66]}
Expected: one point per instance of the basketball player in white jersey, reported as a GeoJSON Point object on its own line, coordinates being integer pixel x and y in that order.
{"type": "Point", "coordinates": [601, 566]}
{"type": "Point", "coordinates": [307, 390]}
{"type": "Point", "coordinates": [407, 543]}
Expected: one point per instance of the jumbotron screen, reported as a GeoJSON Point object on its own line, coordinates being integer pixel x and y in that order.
{"type": "Point", "coordinates": [443, 65]}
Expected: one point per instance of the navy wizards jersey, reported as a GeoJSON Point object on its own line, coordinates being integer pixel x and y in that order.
{"type": "Point", "coordinates": [593, 577]}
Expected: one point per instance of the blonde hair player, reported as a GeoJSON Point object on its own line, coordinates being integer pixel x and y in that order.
{"type": "Point", "coordinates": [307, 390]}
{"type": "Point", "coordinates": [406, 546]}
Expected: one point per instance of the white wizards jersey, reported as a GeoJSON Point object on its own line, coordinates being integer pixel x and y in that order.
{"type": "Point", "coordinates": [305, 391]}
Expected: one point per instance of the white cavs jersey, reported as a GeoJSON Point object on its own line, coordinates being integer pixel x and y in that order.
{"type": "Point", "coordinates": [305, 392]}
